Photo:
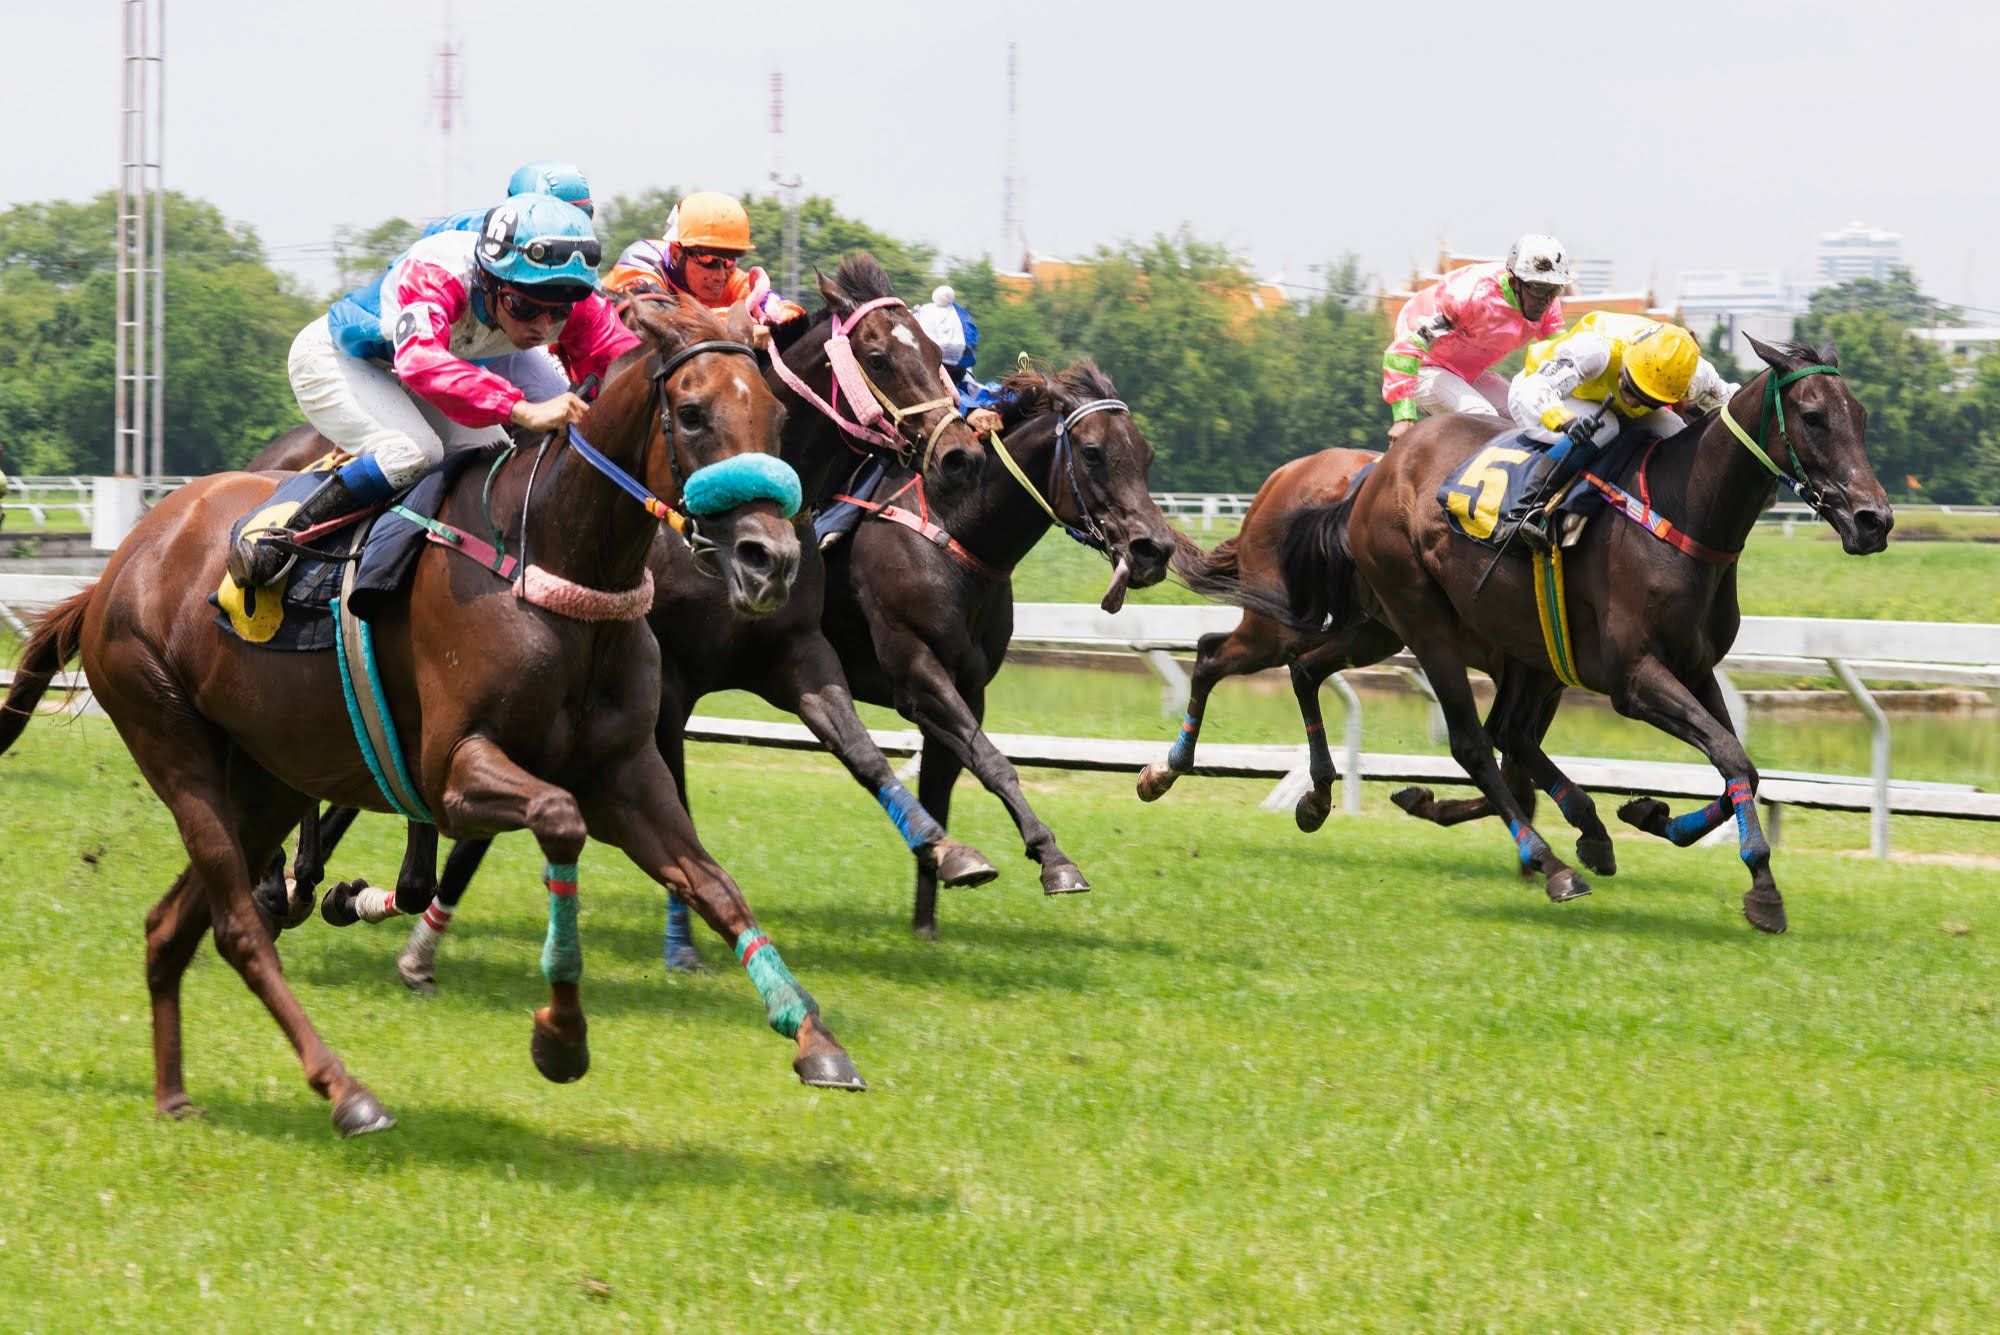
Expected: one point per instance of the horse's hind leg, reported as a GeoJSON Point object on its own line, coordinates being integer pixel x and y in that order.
{"type": "Point", "coordinates": [484, 789]}
{"type": "Point", "coordinates": [174, 929]}
{"type": "Point", "coordinates": [1217, 655]}
{"type": "Point", "coordinates": [1698, 717]}
{"type": "Point", "coordinates": [417, 964]}
{"type": "Point", "coordinates": [416, 885]}
{"type": "Point", "coordinates": [1519, 732]}
{"type": "Point", "coordinates": [638, 808]}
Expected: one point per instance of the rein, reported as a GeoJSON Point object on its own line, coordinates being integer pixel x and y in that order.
{"type": "Point", "coordinates": [1774, 406]}
{"type": "Point", "coordinates": [1092, 534]}
{"type": "Point", "coordinates": [864, 396]}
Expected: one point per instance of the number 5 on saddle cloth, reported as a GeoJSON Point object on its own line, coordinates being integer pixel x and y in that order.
{"type": "Point", "coordinates": [1487, 485]}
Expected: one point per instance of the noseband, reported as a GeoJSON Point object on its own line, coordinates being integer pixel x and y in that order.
{"type": "Point", "coordinates": [868, 402]}
{"type": "Point", "coordinates": [1774, 407]}
{"type": "Point", "coordinates": [1092, 533]}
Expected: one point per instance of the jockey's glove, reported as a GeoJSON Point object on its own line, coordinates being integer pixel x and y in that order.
{"type": "Point", "coordinates": [1582, 433]}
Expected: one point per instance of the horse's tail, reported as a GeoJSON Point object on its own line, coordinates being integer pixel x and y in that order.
{"type": "Point", "coordinates": [1212, 574]}
{"type": "Point", "coordinates": [1318, 567]}
{"type": "Point", "coordinates": [53, 642]}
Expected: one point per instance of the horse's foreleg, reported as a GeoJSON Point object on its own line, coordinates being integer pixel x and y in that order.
{"type": "Point", "coordinates": [416, 885]}
{"type": "Point", "coordinates": [417, 963]}
{"type": "Point", "coordinates": [1519, 732]}
{"type": "Point", "coordinates": [485, 790]}
{"type": "Point", "coordinates": [638, 808]}
{"type": "Point", "coordinates": [949, 712]}
{"type": "Point", "coordinates": [1699, 717]}
{"type": "Point", "coordinates": [1217, 655]}
{"type": "Point", "coordinates": [937, 773]}
{"type": "Point", "coordinates": [677, 950]}
{"type": "Point", "coordinates": [812, 686]}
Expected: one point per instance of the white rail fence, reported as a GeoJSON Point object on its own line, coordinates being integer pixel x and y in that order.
{"type": "Point", "coordinates": [1852, 652]}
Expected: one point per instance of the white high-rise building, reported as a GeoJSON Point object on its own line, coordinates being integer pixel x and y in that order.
{"type": "Point", "coordinates": [1856, 251]}
{"type": "Point", "coordinates": [1745, 301]}
{"type": "Point", "coordinates": [1590, 276]}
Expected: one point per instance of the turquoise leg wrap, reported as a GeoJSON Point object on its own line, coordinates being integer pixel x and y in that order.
{"type": "Point", "coordinates": [1180, 756]}
{"type": "Point", "coordinates": [786, 1004]}
{"type": "Point", "coordinates": [562, 952]}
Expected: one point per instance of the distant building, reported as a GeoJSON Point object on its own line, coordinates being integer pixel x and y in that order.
{"type": "Point", "coordinates": [1743, 301]}
{"type": "Point", "coordinates": [1856, 251]}
{"type": "Point", "coordinates": [1591, 276]}
{"type": "Point", "coordinates": [1588, 290]}
{"type": "Point", "coordinates": [1963, 348]}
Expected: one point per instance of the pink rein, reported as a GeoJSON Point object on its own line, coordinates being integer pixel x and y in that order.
{"type": "Point", "coordinates": [847, 374]}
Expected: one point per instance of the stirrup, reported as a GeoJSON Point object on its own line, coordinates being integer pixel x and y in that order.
{"type": "Point", "coordinates": [247, 555]}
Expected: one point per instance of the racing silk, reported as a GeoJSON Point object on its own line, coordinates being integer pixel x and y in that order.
{"type": "Point", "coordinates": [1464, 323]}
{"type": "Point", "coordinates": [425, 316]}
{"type": "Point", "coordinates": [643, 265]}
{"type": "Point", "coordinates": [465, 220]}
{"type": "Point", "coordinates": [1584, 363]}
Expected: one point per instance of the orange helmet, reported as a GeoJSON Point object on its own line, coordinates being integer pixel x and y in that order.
{"type": "Point", "coordinates": [710, 221]}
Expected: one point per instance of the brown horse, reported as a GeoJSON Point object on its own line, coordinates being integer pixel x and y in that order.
{"type": "Point", "coordinates": [1261, 640]}
{"type": "Point", "coordinates": [921, 609]}
{"type": "Point", "coordinates": [513, 715]}
{"type": "Point", "coordinates": [1648, 619]}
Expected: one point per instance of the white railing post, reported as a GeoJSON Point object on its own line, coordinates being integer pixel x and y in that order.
{"type": "Point", "coordinates": [1350, 760]}
{"type": "Point", "coordinates": [1878, 738]}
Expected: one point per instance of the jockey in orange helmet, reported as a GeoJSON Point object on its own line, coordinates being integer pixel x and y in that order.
{"type": "Point", "coordinates": [706, 237]}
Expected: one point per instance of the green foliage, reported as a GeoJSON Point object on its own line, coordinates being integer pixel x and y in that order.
{"type": "Point", "coordinates": [230, 321]}
{"type": "Point", "coordinates": [366, 251]}
{"type": "Point", "coordinates": [1721, 356]}
{"type": "Point", "coordinates": [1899, 299]}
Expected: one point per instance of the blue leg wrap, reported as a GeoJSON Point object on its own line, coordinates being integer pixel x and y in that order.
{"type": "Point", "coordinates": [1180, 756]}
{"type": "Point", "coordinates": [786, 1004]}
{"type": "Point", "coordinates": [918, 828]}
{"type": "Point", "coordinates": [1750, 843]}
{"type": "Point", "coordinates": [678, 936]}
{"type": "Point", "coordinates": [1575, 806]}
{"type": "Point", "coordinates": [1686, 829]}
{"type": "Point", "coordinates": [562, 952]}
{"type": "Point", "coordinates": [1531, 846]}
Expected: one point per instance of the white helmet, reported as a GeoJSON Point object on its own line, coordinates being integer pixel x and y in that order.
{"type": "Point", "coordinates": [1539, 259]}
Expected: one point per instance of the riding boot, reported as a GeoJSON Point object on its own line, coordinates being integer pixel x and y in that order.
{"type": "Point", "coordinates": [1528, 519]}
{"type": "Point", "coordinates": [837, 520]}
{"type": "Point", "coordinates": [253, 563]}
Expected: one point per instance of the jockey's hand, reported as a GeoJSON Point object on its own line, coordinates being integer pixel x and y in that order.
{"type": "Point", "coordinates": [1398, 430]}
{"type": "Point", "coordinates": [983, 421]}
{"type": "Point", "coordinates": [760, 337]}
{"type": "Point", "coordinates": [549, 413]}
{"type": "Point", "coordinates": [1582, 433]}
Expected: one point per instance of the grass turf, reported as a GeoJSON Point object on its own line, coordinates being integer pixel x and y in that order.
{"type": "Point", "coordinates": [1360, 1080]}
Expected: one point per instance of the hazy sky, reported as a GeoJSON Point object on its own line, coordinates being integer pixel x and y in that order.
{"type": "Point", "coordinates": [1663, 136]}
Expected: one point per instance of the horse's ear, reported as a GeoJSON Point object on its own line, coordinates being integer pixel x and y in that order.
{"type": "Point", "coordinates": [739, 322]}
{"type": "Point", "coordinates": [830, 293]}
{"type": "Point", "coordinates": [1772, 356]}
{"type": "Point", "coordinates": [1828, 355]}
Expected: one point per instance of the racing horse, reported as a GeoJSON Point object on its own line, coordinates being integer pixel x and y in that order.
{"type": "Point", "coordinates": [1651, 605]}
{"type": "Point", "coordinates": [919, 602]}
{"type": "Point", "coordinates": [532, 710]}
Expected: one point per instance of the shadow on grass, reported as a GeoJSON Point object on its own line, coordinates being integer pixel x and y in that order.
{"type": "Point", "coordinates": [1595, 915]}
{"type": "Point", "coordinates": [505, 1148]}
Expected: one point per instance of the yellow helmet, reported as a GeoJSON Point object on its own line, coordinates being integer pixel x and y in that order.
{"type": "Point", "coordinates": [1662, 362]}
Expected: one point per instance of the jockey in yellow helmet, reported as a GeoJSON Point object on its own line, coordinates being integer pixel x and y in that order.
{"type": "Point", "coordinates": [1582, 389]}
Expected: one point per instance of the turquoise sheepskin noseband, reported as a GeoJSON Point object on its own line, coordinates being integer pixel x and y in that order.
{"type": "Point", "coordinates": [738, 480]}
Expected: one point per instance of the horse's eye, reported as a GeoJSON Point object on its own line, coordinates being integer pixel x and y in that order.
{"type": "Point", "coordinates": [690, 416]}
{"type": "Point", "coordinates": [879, 360]}
{"type": "Point", "coordinates": [1815, 418]}
{"type": "Point", "coordinates": [1093, 456]}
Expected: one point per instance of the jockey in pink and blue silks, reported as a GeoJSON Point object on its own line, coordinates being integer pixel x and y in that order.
{"type": "Point", "coordinates": [1450, 335]}
{"type": "Point", "coordinates": [442, 352]}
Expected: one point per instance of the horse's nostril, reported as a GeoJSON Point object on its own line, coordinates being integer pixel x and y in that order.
{"type": "Point", "coordinates": [753, 554]}
{"type": "Point", "coordinates": [1146, 550]}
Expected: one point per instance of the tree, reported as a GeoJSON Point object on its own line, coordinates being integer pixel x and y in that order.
{"type": "Point", "coordinates": [1721, 356]}
{"type": "Point", "coordinates": [366, 251]}
{"type": "Point", "coordinates": [1898, 298]}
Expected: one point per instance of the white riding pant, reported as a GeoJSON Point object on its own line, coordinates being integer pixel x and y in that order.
{"type": "Point", "coordinates": [1439, 391]}
{"type": "Point", "coordinates": [362, 407]}
{"type": "Point", "coordinates": [1661, 422]}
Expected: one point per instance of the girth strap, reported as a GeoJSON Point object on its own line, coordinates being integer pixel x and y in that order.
{"type": "Point", "coordinates": [367, 709]}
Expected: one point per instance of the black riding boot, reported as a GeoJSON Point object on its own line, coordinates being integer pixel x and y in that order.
{"type": "Point", "coordinates": [254, 563]}
{"type": "Point", "coordinates": [1528, 518]}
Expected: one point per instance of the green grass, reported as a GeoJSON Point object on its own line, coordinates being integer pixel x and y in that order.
{"type": "Point", "coordinates": [1361, 1080]}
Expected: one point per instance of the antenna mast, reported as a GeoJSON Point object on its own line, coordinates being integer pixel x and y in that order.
{"type": "Point", "coordinates": [446, 94]}
{"type": "Point", "coordinates": [1011, 230]}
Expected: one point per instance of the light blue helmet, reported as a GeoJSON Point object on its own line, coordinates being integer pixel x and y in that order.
{"type": "Point", "coordinates": [564, 180]}
{"type": "Point", "coordinates": [535, 240]}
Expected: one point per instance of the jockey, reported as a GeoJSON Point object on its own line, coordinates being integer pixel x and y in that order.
{"type": "Point", "coordinates": [564, 180]}
{"type": "Point", "coordinates": [1580, 390]}
{"type": "Point", "coordinates": [1450, 334]}
{"type": "Point", "coordinates": [706, 235]}
{"type": "Point", "coordinates": [950, 326]}
{"type": "Point", "coordinates": [442, 351]}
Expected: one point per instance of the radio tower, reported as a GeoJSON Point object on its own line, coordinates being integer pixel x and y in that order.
{"type": "Point", "coordinates": [445, 97]}
{"type": "Point", "coordinates": [1011, 231]}
{"type": "Point", "coordinates": [788, 186]}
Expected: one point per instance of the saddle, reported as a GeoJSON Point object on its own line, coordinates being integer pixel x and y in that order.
{"type": "Point", "coordinates": [295, 613]}
{"type": "Point", "coordinates": [1475, 496]}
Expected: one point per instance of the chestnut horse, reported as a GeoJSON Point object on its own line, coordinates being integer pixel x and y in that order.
{"type": "Point", "coordinates": [514, 716]}
{"type": "Point", "coordinates": [1651, 604]}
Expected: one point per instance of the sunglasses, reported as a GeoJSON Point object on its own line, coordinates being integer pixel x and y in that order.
{"type": "Point", "coordinates": [704, 259]}
{"type": "Point", "coordinates": [528, 309]}
{"type": "Point", "coordinates": [556, 251]}
{"type": "Point", "coordinates": [1634, 394]}
{"type": "Point", "coordinates": [1541, 291]}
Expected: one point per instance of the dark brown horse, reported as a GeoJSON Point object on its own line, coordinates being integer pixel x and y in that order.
{"type": "Point", "coordinates": [1261, 640]}
{"type": "Point", "coordinates": [921, 611]}
{"type": "Point", "coordinates": [513, 715]}
{"type": "Point", "coordinates": [1648, 619]}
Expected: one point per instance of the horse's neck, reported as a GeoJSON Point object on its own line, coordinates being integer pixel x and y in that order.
{"type": "Point", "coordinates": [813, 444]}
{"type": "Point", "coordinates": [580, 524]}
{"type": "Point", "coordinates": [1724, 488]}
{"type": "Point", "coordinates": [999, 521]}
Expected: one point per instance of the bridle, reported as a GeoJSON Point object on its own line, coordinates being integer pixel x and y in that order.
{"type": "Point", "coordinates": [1091, 534]}
{"type": "Point", "coordinates": [867, 401]}
{"type": "Point", "coordinates": [1774, 407]}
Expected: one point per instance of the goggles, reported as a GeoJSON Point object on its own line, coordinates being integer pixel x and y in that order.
{"type": "Point", "coordinates": [709, 259]}
{"type": "Point", "coordinates": [527, 309]}
{"type": "Point", "coordinates": [553, 252]}
{"type": "Point", "coordinates": [1633, 394]}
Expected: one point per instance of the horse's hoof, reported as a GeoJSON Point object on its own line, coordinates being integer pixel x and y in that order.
{"type": "Point", "coordinates": [179, 1108]}
{"type": "Point", "coordinates": [1765, 912]}
{"type": "Point", "coordinates": [275, 911]}
{"type": "Point", "coordinates": [1566, 885]}
{"type": "Point", "coordinates": [416, 975]}
{"type": "Point", "coordinates": [829, 1070]}
{"type": "Point", "coordinates": [1596, 853]}
{"type": "Point", "coordinates": [359, 1113]}
{"type": "Point", "coordinates": [298, 903]}
{"type": "Point", "coordinates": [560, 1062]}
{"type": "Point", "coordinates": [1154, 780]}
{"type": "Point", "coordinates": [336, 906]}
{"type": "Point", "coordinates": [961, 865]}
{"type": "Point", "coordinates": [682, 959]}
{"type": "Point", "coordinates": [1646, 813]}
{"type": "Point", "coordinates": [1414, 800]}
{"type": "Point", "coordinates": [1313, 809]}
{"type": "Point", "coordinates": [1063, 879]}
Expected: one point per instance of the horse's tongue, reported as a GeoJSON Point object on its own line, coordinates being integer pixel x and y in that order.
{"type": "Point", "coordinates": [1114, 595]}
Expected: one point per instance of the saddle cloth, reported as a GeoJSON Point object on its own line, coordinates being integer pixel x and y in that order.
{"type": "Point", "coordinates": [1481, 490]}
{"type": "Point", "coordinates": [295, 612]}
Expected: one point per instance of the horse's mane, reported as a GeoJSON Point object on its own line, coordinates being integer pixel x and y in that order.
{"type": "Point", "coordinates": [1036, 389]}
{"type": "Point", "coordinates": [859, 279]}
{"type": "Point", "coordinates": [672, 321]}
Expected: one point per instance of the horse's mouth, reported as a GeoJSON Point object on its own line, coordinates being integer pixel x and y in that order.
{"type": "Point", "coordinates": [1863, 530]}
